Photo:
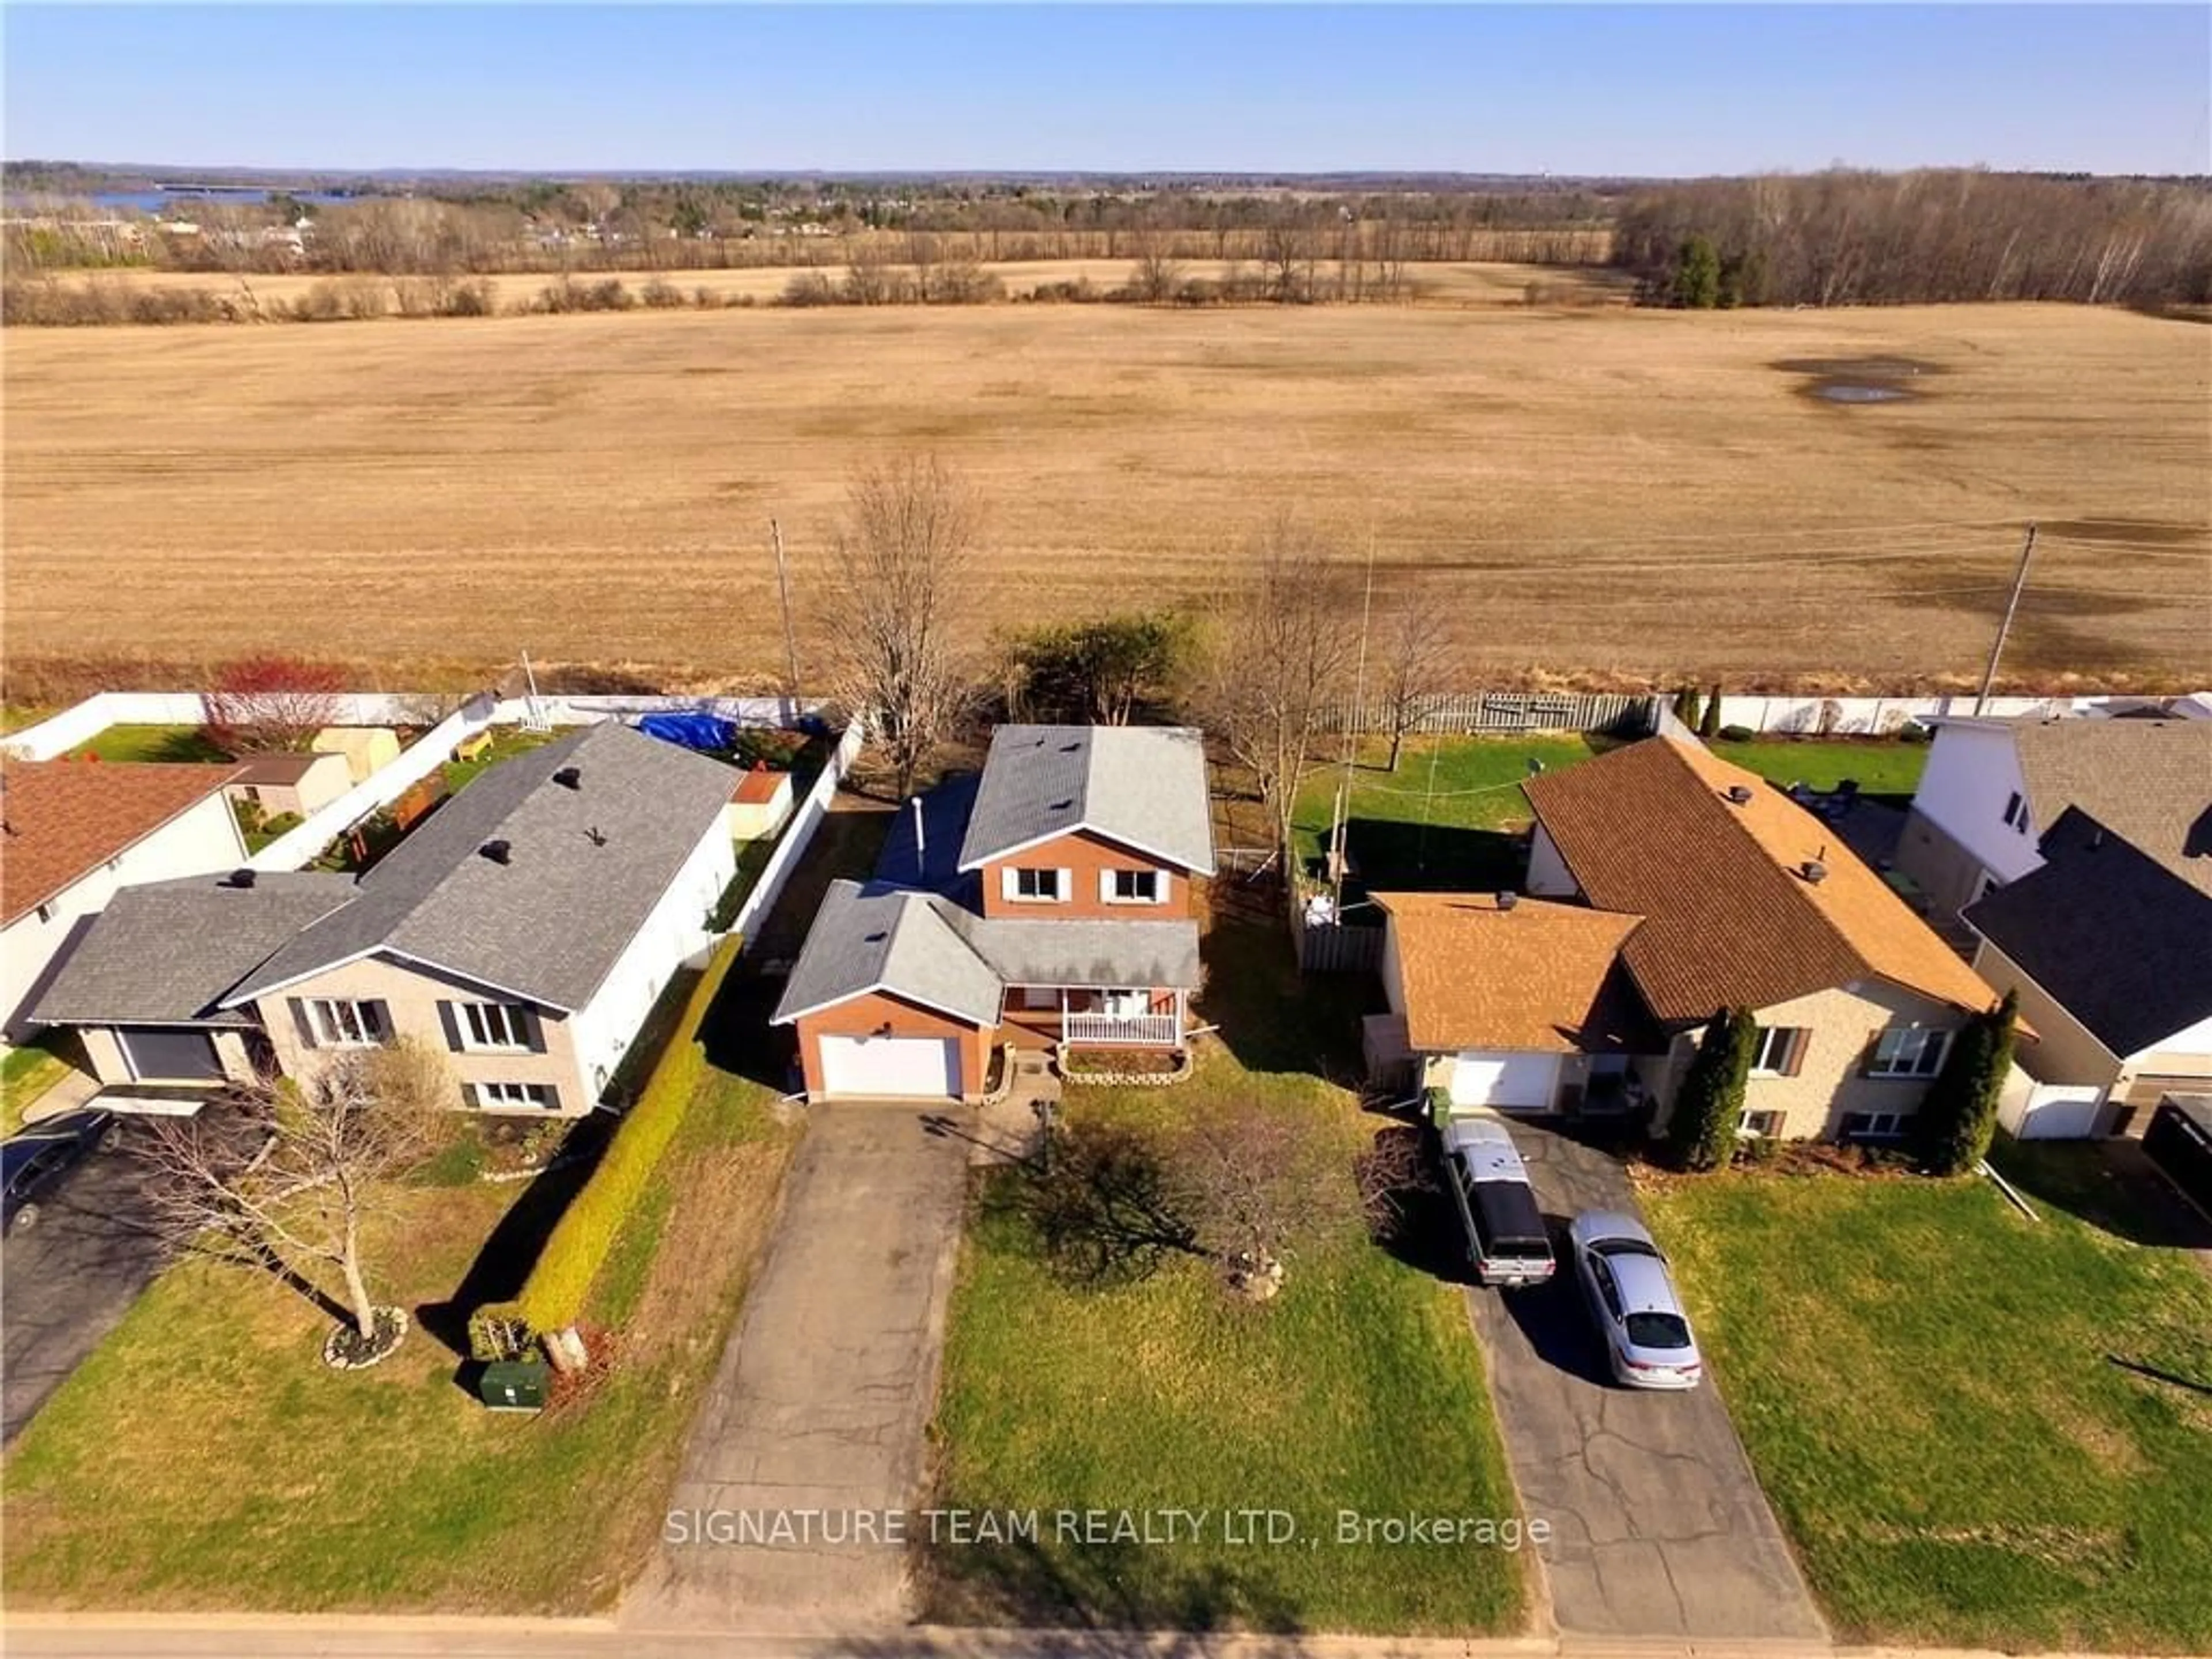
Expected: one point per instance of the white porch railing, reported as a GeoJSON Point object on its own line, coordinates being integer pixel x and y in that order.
{"type": "Point", "coordinates": [1159, 1029]}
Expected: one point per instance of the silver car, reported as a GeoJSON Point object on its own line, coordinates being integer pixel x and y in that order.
{"type": "Point", "coordinates": [1647, 1337]}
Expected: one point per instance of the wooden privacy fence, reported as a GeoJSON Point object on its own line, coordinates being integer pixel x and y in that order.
{"type": "Point", "coordinates": [1622, 713]}
{"type": "Point", "coordinates": [1336, 947]}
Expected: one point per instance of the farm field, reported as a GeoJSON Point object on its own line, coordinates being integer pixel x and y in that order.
{"type": "Point", "coordinates": [1605, 492]}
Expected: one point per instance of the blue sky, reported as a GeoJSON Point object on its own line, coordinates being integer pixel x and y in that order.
{"type": "Point", "coordinates": [1569, 89]}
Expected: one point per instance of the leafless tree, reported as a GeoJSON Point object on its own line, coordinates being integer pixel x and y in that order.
{"type": "Point", "coordinates": [1416, 655]}
{"type": "Point", "coordinates": [1158, 273]}
{"type": "Point", "coordinates": [1283, 642]}
{"type": "Point", "coordinates": [285, 1175]}
{"type": "Point", "coordinates": [897, 622]}
{"type": "Point", "coordinates": [272, 702]}
{"type": "Point", "coordinates": [1249, 1182]}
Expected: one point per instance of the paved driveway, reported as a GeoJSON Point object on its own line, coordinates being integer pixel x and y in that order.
{"type": "Point", "coordinates": [819, 1412]}
{"type": "Point", "coordinates": [1658, 1528]}
{"type": "Point", "coordinates": [73, 1276]}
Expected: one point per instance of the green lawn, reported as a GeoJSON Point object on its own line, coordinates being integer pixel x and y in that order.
{"type": "Point", "coordinates": [1882, 767]}
{"type": "Point", "coordinates": [151, 742]}
{"type": "Point", "coordinates": [1922, 1378]}
{"type": "Point", "coordinates": [508, 742]}
{"type": "Point", "coordinates": [1359, 1387]}
{"type": "Point", "coordinates": [25, 1074]}
{"type": "Point", "coordinates": [204, 1458]}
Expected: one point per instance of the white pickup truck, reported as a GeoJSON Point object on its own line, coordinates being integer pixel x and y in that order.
{"type": "Point", "coordinates": [1507, 1244]}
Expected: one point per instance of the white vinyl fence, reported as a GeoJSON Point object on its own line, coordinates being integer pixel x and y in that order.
{"type": "Point", "coordinates": [2048, 1111]}
{"type": "Point", "coordinates": [298, 845]}
{"type": "Point", "coordinates": [796, 834]}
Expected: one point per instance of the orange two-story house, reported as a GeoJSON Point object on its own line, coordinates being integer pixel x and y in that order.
{"type": "Point", "coordinates": [1046, 902]}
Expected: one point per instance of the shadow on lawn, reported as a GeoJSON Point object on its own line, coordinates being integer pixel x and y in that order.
{"type": "Point", "coordinates": [1105, 1586]}
{"type": "Point", "coordinates": [2112, 1185]}
{"type": "Point", "coordinates": [1272, 1017]}
{"type": "Point", "coordinates": [1436, 858]}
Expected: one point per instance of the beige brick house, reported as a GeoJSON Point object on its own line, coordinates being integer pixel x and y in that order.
{"type": "Point", "coordinates": [1665, 885]}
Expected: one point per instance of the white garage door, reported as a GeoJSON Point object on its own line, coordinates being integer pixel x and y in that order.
{"type": "Point", "coordinates": [1503, 1080]}
{"type": "Point", "coordinates": [890, 1066]}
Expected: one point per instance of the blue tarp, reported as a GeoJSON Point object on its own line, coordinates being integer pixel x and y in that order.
{"type": "Point", "coordinates": [708, 733]}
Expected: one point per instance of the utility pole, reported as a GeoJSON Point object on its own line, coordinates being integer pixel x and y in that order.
{"type": "Point", "coordinates": [2004, 627]}
{"type": "Point", "coordinates": [1351, 729]}
{"type": "Point", "coordinates": [790, 639]}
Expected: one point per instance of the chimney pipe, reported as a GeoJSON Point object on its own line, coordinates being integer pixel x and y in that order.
{"type": "Point", "coordinates": [1508, 898]}
{"type": "Point", "coordinates": [498, 852]}
{"type": "Point", "coordinates": [920, 840]}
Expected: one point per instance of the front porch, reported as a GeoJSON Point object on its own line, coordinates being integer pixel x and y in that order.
{"type": "Point", "coordinates": [1048, 1016]}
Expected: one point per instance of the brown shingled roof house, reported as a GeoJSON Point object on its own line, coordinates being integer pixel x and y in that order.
{"type": "Point", "coordinates": [1664, 884]}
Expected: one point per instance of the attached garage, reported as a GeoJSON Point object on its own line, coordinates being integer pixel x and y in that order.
{"type": "Point", "coordinates": [2180, 1141]}
{"type": "Point", "coordinates": [159, 1055]}
{"type": "Point", "coordinates": [904, 1065]}
{"type": "Point", "coordinates": [1504, 1079]}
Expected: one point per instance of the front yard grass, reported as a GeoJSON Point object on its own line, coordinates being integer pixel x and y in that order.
{"type": "Point", "coordinates": [1359, 1387]}
{"type": "Point", "coordinates": [25, 1074]}
{"type": "Point", "coordinates": [1924, 1380]}
{"type": "Point", "coordinates": [204, 1458]}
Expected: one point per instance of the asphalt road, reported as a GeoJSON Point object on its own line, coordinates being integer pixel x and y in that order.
{"type": "Point", "coordinates": [1659, 1528]}
{"type": "Point", "coordinates": [72, 1276]}
{"type": "Point", "coordinates": [819, 1412]}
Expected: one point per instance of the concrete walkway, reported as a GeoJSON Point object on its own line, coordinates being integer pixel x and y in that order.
{"type": "Point", "coordinates": [814, 1428]}
{"type": "Point", "coordinates": [1659, 1528]}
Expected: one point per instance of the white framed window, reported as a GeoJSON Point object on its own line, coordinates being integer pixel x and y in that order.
{"type": "Point", "coordinates": [1033, 886]}
{"type": "Point", "coordinates": [492, 1025]}
{"type": "Point", "coordinates": [2015, 812]}
{"type": "Point", "coordinates": [1760, 1126]}
{"type": "Point", "coordinates": [1778, 1050]}
{"type": "Point", "coordinates": [45, 913]}
{"type": "Point", "coordinates": [1908, 1051]}
{"type": "Point", "coordinates": [1132, 887]}
{"type": "Point", "coordinates": [1127, 1005]}
{"type": "Point", "coordinates": [1873, 1126]}
{"type": "Point", "coordinates": [540, 1097]}
{"type": "Point", "coordinates": [336, 1023]}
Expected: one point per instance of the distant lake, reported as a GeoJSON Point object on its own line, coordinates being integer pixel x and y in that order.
{"type": "Point", "coordinates": [153, 201]}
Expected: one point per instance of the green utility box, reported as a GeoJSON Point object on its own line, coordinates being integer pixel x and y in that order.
{"type": "Point", "coordinates": [515, 1385]}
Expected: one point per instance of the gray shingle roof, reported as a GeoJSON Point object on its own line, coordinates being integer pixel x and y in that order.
{"type": "Point", "coordinates": [168, 950]}
{"type": "Point", "coordinates": [1098, 954]}
{"type": "Point", "coordinates": [585, 867]}
{"type": "Point", "coordinates": [870, 939]}
{"type": "Point", "coordinates": [1141, 786]}
{"type": "Point", "coordinates": [926, 949]}
{"type": "Point", "coordinates": [2123, 943]}
{"type": "Point", "coordinates": [2148, 780]}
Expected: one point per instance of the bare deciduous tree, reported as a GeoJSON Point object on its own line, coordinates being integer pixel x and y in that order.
{"type": "Point", "coordinates": [1249, 1182]}
{"type": "Point", "coordinates": [898, 629]}
{"type": "Point", "coordinates": [1416, 656]}
{"type": "Point", "coordinates": [1157, 274]}
{"type": "Point", "coordinates": [1283, 646]}
{"type": "Point", "coordinates": [288, 1177]}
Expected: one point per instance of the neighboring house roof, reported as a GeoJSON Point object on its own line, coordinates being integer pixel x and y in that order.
{"type": "Point", "coordinates": [63, 819]}
{"type": "Point", "coordinates": [585, 868]}
{"type": "Point", "coordinates": [2148, 781]}
{"type": "Point", "coordinates": [1730, 920]}
{"type": "Point", "coordinates": [1143, 787]}
{"type": "Point", "coordinates": [2123, 943]}
{"type": "Point", "coordinates": [872, 938]}
{"type": "Point", "coordinates": [168, 950]}
{"type": "Point", "coordinates": [281, 769]}
{"type": "Point", "coordinates": [926, 949]}
{"type": "Point", "coordinates": [1539, 975]}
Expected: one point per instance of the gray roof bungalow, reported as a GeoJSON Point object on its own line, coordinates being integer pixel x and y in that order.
{"type": "Point", "coordinates": [1045, 904]}
{"type": "Point", "coordinates": [524, 929]}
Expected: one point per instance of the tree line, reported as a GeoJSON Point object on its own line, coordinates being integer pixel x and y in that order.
{"type": "Point", "coordinates": [1849, 238]}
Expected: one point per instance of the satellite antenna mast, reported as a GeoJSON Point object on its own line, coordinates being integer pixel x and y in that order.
{"type": "Point", "coordinates": [533, 712]}
{"type": "Point", "coordinates": [790, 638]}
{"type": "Point", "coordinates": [2004, 626]}
{"type": "Point", "coordinates": [1351, 727]}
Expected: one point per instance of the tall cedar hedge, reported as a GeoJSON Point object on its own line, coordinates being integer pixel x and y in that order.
{"type": "Point", "coordinates": [553, 1296]}
{"type": "Point", "coordinates": [1959, 1117]}
{"type": "Point", "coordinates": [1701, 1131]}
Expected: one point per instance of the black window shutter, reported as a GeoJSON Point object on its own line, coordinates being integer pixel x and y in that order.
{"type": "Point", "coordinates": [533, 1028]}
{"type": "Point", "coordinates": [449, 1018]}
{"type": "Point", "coordinates": [300, 1022]}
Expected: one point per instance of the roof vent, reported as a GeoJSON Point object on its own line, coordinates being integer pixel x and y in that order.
{"type": "Point", "coordinates": [1740, 793]}
{"type": "Point", "coordinates": [569, 777]}
{"type": "Point", "coordinates": [1814, 871]}
{"type": "Point", "coordinates": [1508, 899]}
{"type": "Point", "coordinates": [499, 852]}
{"type": "Point", "coordinates": [238, 877]}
